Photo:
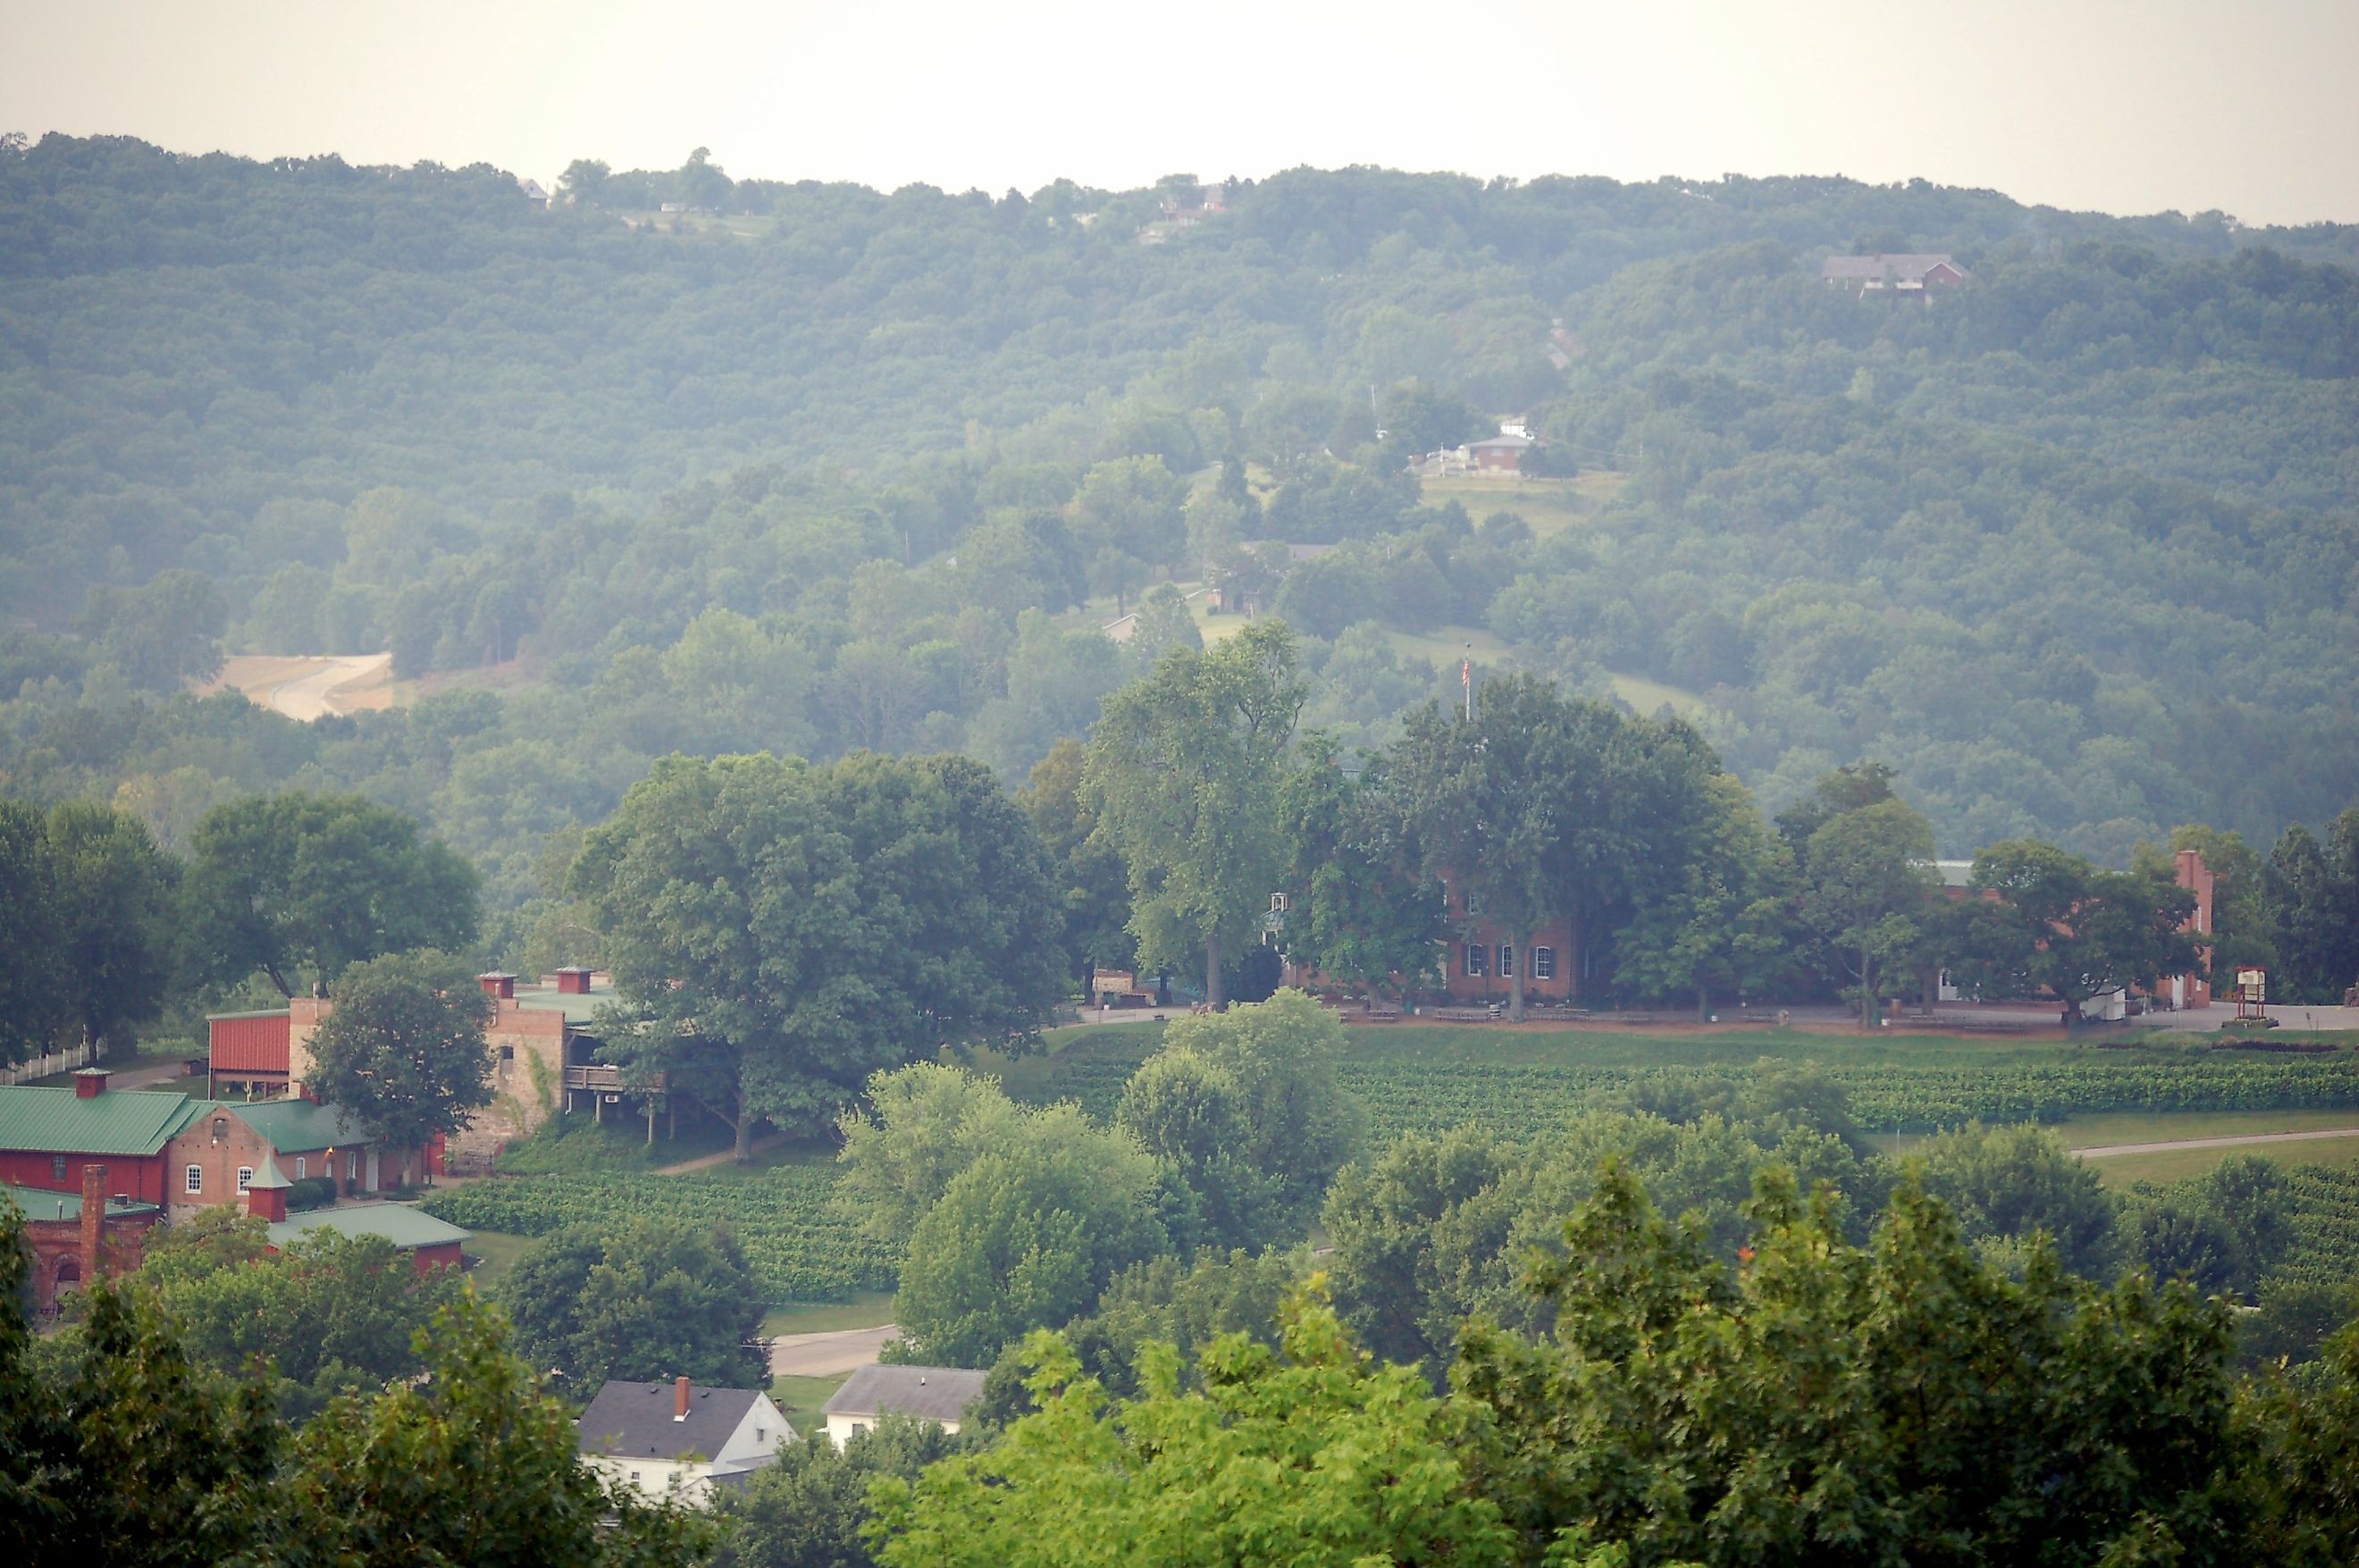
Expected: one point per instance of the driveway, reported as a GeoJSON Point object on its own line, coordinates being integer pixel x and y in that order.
{"type": "Point", "coordinates": [832, 1355]}
{"type": "Point", "coordinates": [308, 697]}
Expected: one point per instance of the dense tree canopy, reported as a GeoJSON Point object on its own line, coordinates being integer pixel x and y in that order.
{"type": "Point", "coordinates": [780, 931]}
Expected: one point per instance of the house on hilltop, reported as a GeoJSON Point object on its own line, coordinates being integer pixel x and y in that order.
{"type": "Point", "coordinates": [1914, 275]}
{"type": "Point", "coordinates": [675, 1440]}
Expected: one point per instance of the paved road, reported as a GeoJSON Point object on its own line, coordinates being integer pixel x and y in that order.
{"type": "Point", "coordinates": [308, 697]}
{"type": "Point", "coordinates": [833, 1355]}
{"type": "Point", "coordinates": [2234, 1142]}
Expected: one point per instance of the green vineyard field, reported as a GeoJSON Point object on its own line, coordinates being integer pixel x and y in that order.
{"type": "Point", "coordinates": [800, 1248]}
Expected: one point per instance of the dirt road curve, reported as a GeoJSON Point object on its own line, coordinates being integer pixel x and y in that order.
{"type": "Point", "coordinates": [307, 697]}
{"type": "Point", "coordinates": [828, 1355]}
{"type": "Point", "coordinates": [2235, 1142]}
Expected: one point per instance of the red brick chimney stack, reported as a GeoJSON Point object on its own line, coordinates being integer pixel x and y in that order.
{"type": "Point", "coordinates": [497, 985]}
{"type": "Point", "coordinates": [93, 1220]}
{"type": "Point", "coordinates": [90, 1082]}
{"type": "Point", "coordinates": [573, 981]}
{"type": "Point", "coordinates": [680, 1400]}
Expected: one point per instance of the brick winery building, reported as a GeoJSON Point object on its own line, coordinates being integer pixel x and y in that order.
{"type": "Point", "coordinates": [543, 1057]}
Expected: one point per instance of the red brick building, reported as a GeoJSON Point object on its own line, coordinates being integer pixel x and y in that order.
{"type": "Point", "coordinates": [75, 1237]}
{"type": "Point", "coordinates": [542, 1056]}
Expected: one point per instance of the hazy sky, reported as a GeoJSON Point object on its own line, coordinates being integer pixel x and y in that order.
{"type": "Point", "coordinates": [2246, 105]}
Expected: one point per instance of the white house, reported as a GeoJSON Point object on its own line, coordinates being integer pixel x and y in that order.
{"type": "Point", "coordinates": [675, 1439]}
{"type": "Point", "coordinates": [942, 1395]}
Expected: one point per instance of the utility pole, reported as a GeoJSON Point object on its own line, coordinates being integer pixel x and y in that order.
{"type": "Point", "coordinates": [1467, 680]}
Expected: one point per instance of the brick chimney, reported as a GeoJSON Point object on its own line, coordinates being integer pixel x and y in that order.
{"type": "Point", "coordinates": [497, 985]}
{"type": "Point", "coordinates": [94, 1219]}
{"type": "Point", "coordinates": [90, 1082]}
{"type": "Point", "coordinates": [573, 981]}
{"type": "Point", "coordinates": [680, 1400]}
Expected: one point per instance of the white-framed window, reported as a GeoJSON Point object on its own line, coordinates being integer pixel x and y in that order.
{"type": "Point", "coordinates": [57, 1166]}
{"type": "Point", "coordinates": [1476, 960]}
{"type": "Point", "coordinates": [1507, 960]}
{"type": "Point", "coordinates": [195, 1178]}
{"type": "Point", "coordinates": [1473, 905]}
{"type": "Point", "coordinates": [244, 1177]}
{"type": "Point", "coordinates": [351, 1165]}
{"type": "Point", "coordinates": [1543, 963]}
{"type": "Point", "coordinates": [300, 1166]}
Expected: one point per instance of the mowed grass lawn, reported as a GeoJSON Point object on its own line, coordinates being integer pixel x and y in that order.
{"type": "Point", "coordinates": [803, 1401]}
{"type": "Point", "coordinates": [869, 1309]}
{"type": "Point", "coordinates": [496, 1254]}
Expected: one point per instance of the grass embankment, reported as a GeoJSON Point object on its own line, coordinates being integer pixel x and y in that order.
{"type": "Point", "coordinates": [2168, 1165]}
{"type": "Point", "coordinates": [496, 1254]}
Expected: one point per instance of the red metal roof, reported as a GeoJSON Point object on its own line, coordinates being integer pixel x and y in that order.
{"type": "Point", "coordinates": [249, 1043]}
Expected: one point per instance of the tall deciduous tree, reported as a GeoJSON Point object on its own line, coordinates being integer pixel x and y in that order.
{"type": "Point", "coordinates": [647, 1303]}
{"type": "Point", "coordinates": [1250, 1098]}
{"type": "Point", "coordinates": [1086, 869]}
{"type": "Point", "coordinates": [115, 917]}
{"type": "Point", "coordinates": [1185, 767]}
{"type": "Point", "coordinates": [295, 882]}
{"type": "Point", "coordinates": [778, 931]}
{"type": "Point", "coordinates": [1830, 1403]}
{"type": "Point", "coordinates": [471, 1464]}
{"type": "Point", "coordinates": [1320, 1456]}
{"type": "Point", "coordinates": [1515, 808]}
{"type": "Point", "coordinates": [1028, 1235]}
{"type": "Point", "coordinates": [1870, 888]}
{"type": "Point", "coordinates": [2058, 923]}
{"type": "Point", "coordinates": [1719, 920]}
{"type": "Point", "coordinates": [32, 956]}
{"type": "Point", "coordinates": [403, 1048]}
{"type": "Point", "coordinates": [1363, 910]}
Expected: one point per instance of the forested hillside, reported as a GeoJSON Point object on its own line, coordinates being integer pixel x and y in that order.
{"type": "Point", "coordinates": [813, 468]}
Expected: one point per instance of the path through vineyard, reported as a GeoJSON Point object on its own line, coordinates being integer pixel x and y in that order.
{"type": "Point", "coordinates": [2235, 1142]}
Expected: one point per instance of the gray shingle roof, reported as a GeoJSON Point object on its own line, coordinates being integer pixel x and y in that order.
{"type": "Point", "coordinates": [633, 1421]}
{"type": "Point", "coordinates": [1915, 264]}
{"type": "Point", "coordinates": [930, 1393]}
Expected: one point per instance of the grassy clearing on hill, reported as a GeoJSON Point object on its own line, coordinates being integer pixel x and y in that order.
{"type": "Point", "coordinates": [1550, 506]}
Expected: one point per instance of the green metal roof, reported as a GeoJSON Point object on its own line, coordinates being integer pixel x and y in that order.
{"type": "Point", "coordinates": [37, 1203]}
{"type": "Point", "coordinates": [59, 1121]}
{"type": "Point", "coordinates": [269, 1177]}
{"type": "Point", "coordinates": [579, 1007]}
{"type": "Point", "coordinates": [406, 1227]}
{"type": "Point", "coordinates": [295, 1124]}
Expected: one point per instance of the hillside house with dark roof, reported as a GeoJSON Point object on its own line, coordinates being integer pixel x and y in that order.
{"type": "Point", "coordinates": [675, 1440]}
{"type": "Point", "coordinates": [1911, 276]}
